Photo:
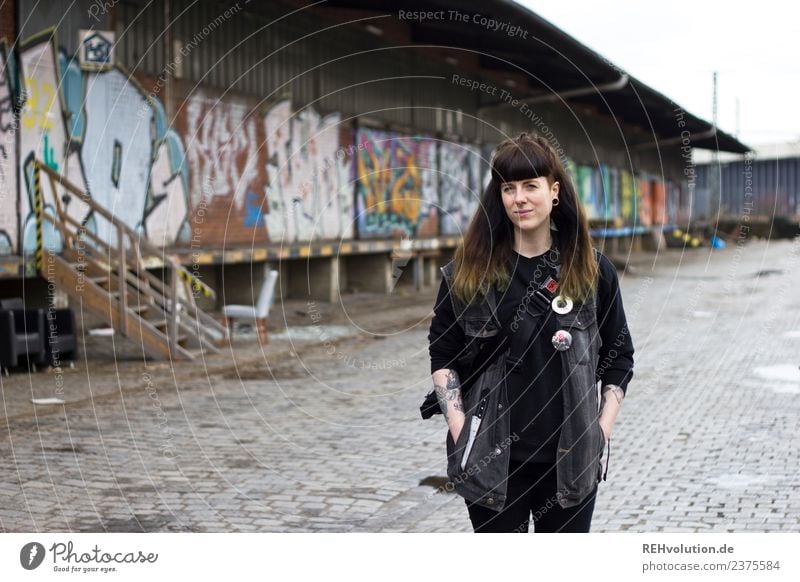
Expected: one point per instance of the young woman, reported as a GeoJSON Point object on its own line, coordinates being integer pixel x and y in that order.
{"type": "Point", "coordinates": [527, 438]}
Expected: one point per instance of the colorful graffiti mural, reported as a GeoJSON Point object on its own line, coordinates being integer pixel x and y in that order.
{"type": "Point", "coordinates": [309, 193]}
{"type": "Point", "coordinates": [225, 148]}
{"type": "Point", "coordinates": [627, 197]}
{"type": "Point", "coordinates": [589, 185]}
{"type": "Point", "coordinates": [107, 136]}
{"type": "Point", "coordinates": [232, 173]}
{"type": "Point", "coordinates": [427, 157]}
{"type": "Point", "coordinates": [117, 148]}
{"type": "Point", "coordinates": [613, 194]}
{"type": "Point", "coordinates": [659, 202]}
{"type": "Point", "coordinates": [644, 193]}
{"type": "Point", "coordinates": [43, 134]}
{"type": "Point", "coordinates": [390, 199]}
{"type": "Point", "coordinates": [460, 185]}
{"type": "Point", "coordinates": [166, 214]}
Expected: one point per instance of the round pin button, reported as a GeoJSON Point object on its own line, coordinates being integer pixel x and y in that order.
{"type": "Point", "coordinates": [562, 304]}
{"type": "Point", "coordinates": [562, 340]}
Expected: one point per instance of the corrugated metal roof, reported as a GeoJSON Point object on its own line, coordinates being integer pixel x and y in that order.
{"type": "Point", "coordinates": [552, 61]}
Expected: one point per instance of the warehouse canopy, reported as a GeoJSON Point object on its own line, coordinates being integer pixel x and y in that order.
{"type": "Point", "coordinates": [555, 65]}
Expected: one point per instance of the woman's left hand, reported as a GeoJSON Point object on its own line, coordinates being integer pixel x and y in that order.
{"type": "Point", "coordinates": [609, 408]}
{"type": "Point", "coordinates": [606, 431]}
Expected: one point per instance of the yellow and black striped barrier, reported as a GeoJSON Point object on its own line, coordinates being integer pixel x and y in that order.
{"type": "Point", "coordinates": [196, 284]}
{"type": "Point", "coordinates": [37, 205]}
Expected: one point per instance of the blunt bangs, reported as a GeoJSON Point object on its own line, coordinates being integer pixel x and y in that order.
{"type": "Point", "coordinates": [522, 162]}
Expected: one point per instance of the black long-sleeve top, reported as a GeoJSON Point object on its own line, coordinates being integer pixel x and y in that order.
{"type": "Point", "coordinates": [534, 392]}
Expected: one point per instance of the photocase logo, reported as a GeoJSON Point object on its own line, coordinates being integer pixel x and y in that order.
{"type": "Point", "coordinates": [31, 555]}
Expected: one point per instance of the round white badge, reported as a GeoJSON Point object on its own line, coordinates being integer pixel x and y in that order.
{"type": "Point", "coordinates": [562, 304]}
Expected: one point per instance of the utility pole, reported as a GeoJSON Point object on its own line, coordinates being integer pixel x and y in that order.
{"type": "Point", "coordinates": [714, 198]}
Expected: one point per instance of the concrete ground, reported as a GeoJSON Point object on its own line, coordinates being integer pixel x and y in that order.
{"type": "Point", "coordinates": [320, 431]}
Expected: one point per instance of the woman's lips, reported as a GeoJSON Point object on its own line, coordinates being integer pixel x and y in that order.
{"type": "Point", "coordinates": [523, 212]}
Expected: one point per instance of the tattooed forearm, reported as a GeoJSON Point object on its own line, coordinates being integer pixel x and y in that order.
{"type": "Point", "coordinates": [449, 392]}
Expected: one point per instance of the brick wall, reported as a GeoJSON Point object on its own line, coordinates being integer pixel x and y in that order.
{"type": "Point", "coordinates": [8, 24]}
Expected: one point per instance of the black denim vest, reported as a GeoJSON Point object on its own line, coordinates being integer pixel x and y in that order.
{"type": "Point", "coordinates": [580, 446]}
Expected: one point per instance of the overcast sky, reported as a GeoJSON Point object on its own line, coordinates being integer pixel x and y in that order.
{"type": "Point", "coordinates": [675, 46]}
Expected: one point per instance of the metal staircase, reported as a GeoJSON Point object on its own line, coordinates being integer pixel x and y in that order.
{"type": "Point", "coordinates": [111, 281]}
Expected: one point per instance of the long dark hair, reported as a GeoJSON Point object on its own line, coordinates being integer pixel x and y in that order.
{"type": "Point", "coordinates": [485, 253]}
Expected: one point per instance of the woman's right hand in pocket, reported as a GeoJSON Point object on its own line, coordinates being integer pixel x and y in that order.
{"type": "Point", "coordinates": [456, 426]}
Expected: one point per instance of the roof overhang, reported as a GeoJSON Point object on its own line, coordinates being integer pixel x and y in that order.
{"type": "Point", "coordinates": [553, 66]}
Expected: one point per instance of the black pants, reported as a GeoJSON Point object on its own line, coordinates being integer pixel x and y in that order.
{"type": "Point", "coordinates": [532, 491]}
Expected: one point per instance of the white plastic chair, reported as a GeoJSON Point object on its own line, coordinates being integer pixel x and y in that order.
{"type": "Point", "coordinates": [256, 313]}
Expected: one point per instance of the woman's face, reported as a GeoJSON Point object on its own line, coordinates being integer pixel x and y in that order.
{"type": "Point", "coordinates": [528, 203]}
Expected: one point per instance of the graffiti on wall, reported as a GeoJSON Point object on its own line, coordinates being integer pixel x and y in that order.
{"type": "Point", "coordinates": [676, 211]}
{"type": "Point", "coordinates": [43, 136]}
{"type": "Point", "coordinates": [8, 160]}
{"type": "Point", "coordinates": [390, 200]}
{"type": "Point", "coordinates": [75, 119]}
{"type": "Point", "coordinates": [644, 193]}
{"type": "Point", "coordinates": [659, 202]}
{"type": "Point", "coordinates": [228, 178]}
{"type": "Point", "coordinates": [134, 163]}
{"type": "Point", "coordinates": [597, 188]}
{"type": "Point", "coordinates": [166, 214]}
{"type": "Point", "coordinates": [309, 193]}
{"type": "Point", "coordinates": [427, 157]}
{"type": "Point", "coordinates": [460, 185]}
{"type": "Point", "coordinates": [108, 137]}
{"type": "Point", "coordinates": [231, 175]}
{"type": "Point", "coordinates": [627, 197]}
{"type": "Point", "coordinates": [117, 147]}
{"type": "Point", "coordinates": [654, 206]}
{"type": "Point", "coordinates": [589, 186]}
{"type": "Point", "coordinates": [610, 180]}
{"type": "Point", "coordinates": [614, 194]}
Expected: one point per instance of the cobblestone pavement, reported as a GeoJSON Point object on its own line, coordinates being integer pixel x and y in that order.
{"type": "Point", "coordinates": [329, 439]}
